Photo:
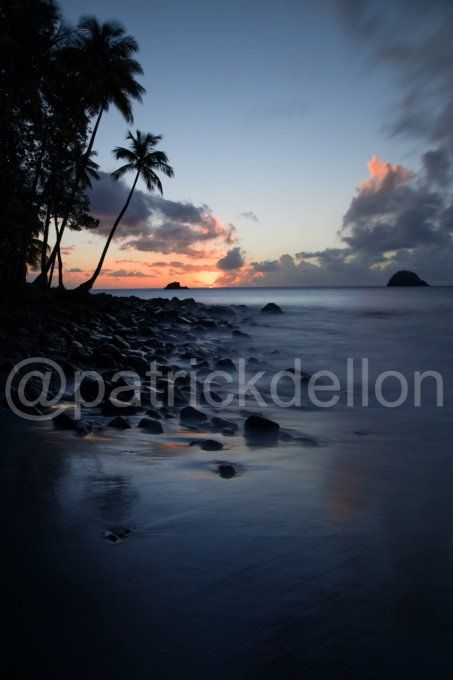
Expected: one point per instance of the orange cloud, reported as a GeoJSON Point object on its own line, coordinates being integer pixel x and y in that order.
{"type": "Point", "coordinates": [381, 173]}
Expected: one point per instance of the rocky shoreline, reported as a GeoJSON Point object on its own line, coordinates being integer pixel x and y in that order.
{"type": "Point", "coordinates": [106, 334]}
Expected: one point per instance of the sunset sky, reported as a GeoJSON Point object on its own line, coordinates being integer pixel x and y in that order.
{"type": "Point", "coordinates": [311, 144]}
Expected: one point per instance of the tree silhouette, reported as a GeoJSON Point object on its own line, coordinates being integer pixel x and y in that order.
{"type": "Point", "coordinates": [145, 162]}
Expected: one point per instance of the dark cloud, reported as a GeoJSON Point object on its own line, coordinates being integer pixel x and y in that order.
{"type": "Point", "coordinates": [173, 237]}
{"type": "Point", "coordinates": [437, 164]}
{"type": "Point", "coordinates": [125, 273]}
{"type": "Point", "coordinates": [75, 270]}
{"type": "Point", "coordinates": [413, 38]}
{"type": "Point", "coordinates": [128, 261]}
{"type": "Point", "coordinates": [232, 260]}
{"type": "Point", "coordinates": [155, 224]}
{"type": "Point", "coordinates": [394, 209]}
{"type": "Point", "coordinates": [181, 267]}
{"type": "Point", "coordinates": [266, 266]}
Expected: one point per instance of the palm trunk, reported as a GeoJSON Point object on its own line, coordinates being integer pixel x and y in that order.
{"type": "Point", "coordinates": [88, 285]}
{"type": "Point", "coordinates": [45, 240]}
{"type": "Point", "coordinates": [60, 269]}
{"type": "Point", "coordinates": [49, 283]}
{"type": "Point", "coordinates": [41, 280]}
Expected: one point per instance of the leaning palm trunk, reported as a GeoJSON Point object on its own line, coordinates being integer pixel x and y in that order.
{"type": "Point", "coordinates": [60, 269]}
{"type": "Point", "coordinates": [41, 280]}
{"type": "Point", "coordinates": [88, 285]}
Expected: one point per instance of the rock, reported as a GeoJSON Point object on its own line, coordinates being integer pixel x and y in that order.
{"type": "Point", "coordinates": [113, 408]}
{"type": "Point", "coordinates": [220, 310]}
{"type": "Point", "coordinates": [63, 421]}
{"type": "Point", "coordinates": [137, 363]}
{"type": "Point", "coordinates": [120, 342]}
{"type": "Point", "coordinates": [225, 363]}
{"type": "Point", "coordinates": [226, 470]}
{"type": "Point", "coordinates": [240, 334]}
{"type": "Point", "coordinates": [90, 388]}
{"type": "Point", "coordinates": [190, 414]}
{"type": "Point", "coordinates": [107, 348]}
{"type": "Point", "coordinates": [175, 285]}
{"type": "Point", "coordinates": [83, 428]}
{"type": "Point", "coordinates": [152, 413]}
{"type": "Point", "coordinates": [286, 437]}
{"type": "Point", "coordinates": [79, 352]}
{"type": "Point", "coordinates": [406, 278]}
{"type": "Point", "coordinates": [105, 361]}
{"type": "Point", "coordinates": [117, 535]}
{"type": "Point", "coordinates": [245, 413]}
{"type": "Point", "coordinates": [257, 425]}
{"type": "Point", "coordinates": [151, 425]}
{"type": "Point", "coordinates": [271, 308]}
{"type": "Point", "coordinates": [207, 444]}
{"type": "Point", "coordinates": [120, 423]}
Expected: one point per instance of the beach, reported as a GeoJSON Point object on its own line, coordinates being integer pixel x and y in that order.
{"type": "Point", "coordinates": [329, 557]}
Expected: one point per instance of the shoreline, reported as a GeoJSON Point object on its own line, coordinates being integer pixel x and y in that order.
{"type": "Point", "coordinates": [135, 554]}
{"type": "Point", "coordinates": [117, 338]}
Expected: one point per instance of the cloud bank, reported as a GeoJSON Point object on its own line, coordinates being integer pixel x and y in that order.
{"type": "Point", "coordinates": [155, 224]}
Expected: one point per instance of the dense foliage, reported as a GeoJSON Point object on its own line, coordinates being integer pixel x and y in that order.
{"type": "Point", "coordinates": [56, 82]}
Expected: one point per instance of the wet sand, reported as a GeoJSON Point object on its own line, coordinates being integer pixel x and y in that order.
{"type": "Point", "coordinates": [332, 562]}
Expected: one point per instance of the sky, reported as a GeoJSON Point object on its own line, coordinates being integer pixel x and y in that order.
{"type": "Point", "coordinates": [311, 143]}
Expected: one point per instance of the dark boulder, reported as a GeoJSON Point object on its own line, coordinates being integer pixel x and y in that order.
{"type": "Point", "coordinates": [120, 342]}
{"type": "Point", "coordinates": [151, 425]}
{"type": "Point", "coordinates": [90, 388]}
{"type": "Point", "coordinates": [406, 278]}
{"type": "Point", "coordinates": [207, 444]}
{"type": "Point", "coordinates": [271, 308]}
{"type": "Point", "coordinates": [257, 425]}
{"type": "Point", "coordinates": [226, 470]}
{"type": "Point", "coordinates": [153, 413]}
{"type": "Point", "coordinates": [225, 363]}
{"type": "Point", "coordinates": [63, 421]}
{"type": "Point", "coordinates": [117, 535]}
{"type": "Point", "coordinates": [113, 407]}
{"type": "Point", "coordinates": [189, 414]}
{"type": "Point", "coordinates": [120, 423]}
{"type": "Point", "coordinates": [83, 428]}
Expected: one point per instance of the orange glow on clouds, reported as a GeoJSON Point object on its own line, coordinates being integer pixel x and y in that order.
{"type": "Point", "coordinates": [381, 172]}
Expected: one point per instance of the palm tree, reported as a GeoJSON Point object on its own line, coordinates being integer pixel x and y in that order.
{"type": "Point", "coordinates": [108, 68]}
{"type": "Point", "coordinates": [142, 159]}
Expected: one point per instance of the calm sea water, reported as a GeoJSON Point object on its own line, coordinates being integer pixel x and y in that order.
{"type": "Point", "coordinates": [396, 329]}
{"type": "Point", "coordinates": [321, 562]}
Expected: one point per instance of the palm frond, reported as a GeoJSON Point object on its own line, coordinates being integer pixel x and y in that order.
{"type": "Point", "coordinates": [119, 172]}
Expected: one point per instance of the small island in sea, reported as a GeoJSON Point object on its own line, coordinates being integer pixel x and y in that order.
{"type": "Point", "coordinates": [175, 285]}
{"type": "Point", "coordinates": [406, 278]}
